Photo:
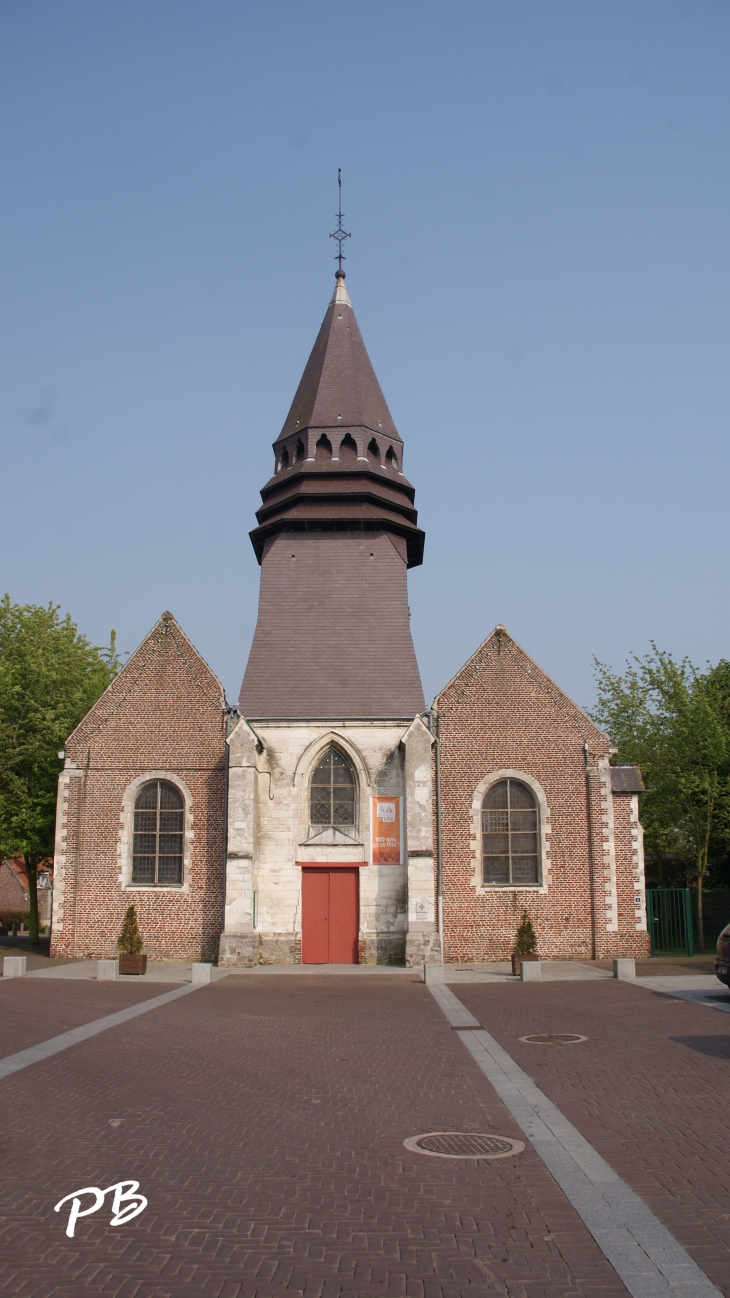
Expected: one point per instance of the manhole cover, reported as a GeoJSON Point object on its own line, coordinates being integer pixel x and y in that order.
{"type": "Point", "coordinates": [463, 1144]}
{"type": "Point", "coordinates": [553, 1039]}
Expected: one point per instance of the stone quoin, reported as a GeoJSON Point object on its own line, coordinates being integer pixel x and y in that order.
{"type": "Point", "coordinates": [306, 824]}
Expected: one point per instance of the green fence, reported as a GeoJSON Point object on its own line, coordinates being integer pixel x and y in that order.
{"type": "Point", "coordinates": [669, 920]}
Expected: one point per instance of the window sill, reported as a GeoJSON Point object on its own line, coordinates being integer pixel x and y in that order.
{"type": "Point", "coordinates": [154, 887]}
{"type": "Point", "coordinates": [512, 887]}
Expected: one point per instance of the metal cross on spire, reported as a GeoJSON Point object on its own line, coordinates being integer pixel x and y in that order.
{"type": "Point", "coordinates": [340, 234]}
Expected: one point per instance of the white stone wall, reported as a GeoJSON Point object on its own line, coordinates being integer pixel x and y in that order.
{"type": "Point", "coordinates": [270, 771]}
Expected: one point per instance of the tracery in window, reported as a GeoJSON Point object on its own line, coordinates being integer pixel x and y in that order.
{"type": "Point", "coordinates": [510, 844]}
{"type": "Point", "coordinates": [159, 813]}
{"type": "Point", "coordinates": [332, 792]}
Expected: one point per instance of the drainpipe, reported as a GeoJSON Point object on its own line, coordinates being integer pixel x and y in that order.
{"type": "Point", "coordinates": [230, 713]}
{"type": "Point", "coordinates": [591, 859]}
{"type": "Point", "coordinates": [433, 718]}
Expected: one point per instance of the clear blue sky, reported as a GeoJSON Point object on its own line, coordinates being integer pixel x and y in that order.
{"type": "Point", "coordinates": [539, 197]}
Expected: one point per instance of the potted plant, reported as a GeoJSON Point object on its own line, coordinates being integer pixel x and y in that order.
{"type": "Point", "coordinates": [131, 960]}
{"type": "Point", "coordinates": [525, 947]}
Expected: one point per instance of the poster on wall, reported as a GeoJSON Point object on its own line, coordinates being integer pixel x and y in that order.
{"type": "Point", "coordinates": [385, 822]}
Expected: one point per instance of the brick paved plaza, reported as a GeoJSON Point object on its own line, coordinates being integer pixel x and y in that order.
{"type": "Point", "coordinates": [264, 1118]}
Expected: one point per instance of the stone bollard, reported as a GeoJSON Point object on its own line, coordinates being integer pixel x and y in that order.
{"type": "Point", "coordinates": [433, 972]}
{"type": "Point", "coordinates": [530, 971]}
{"type": "Point", "coordinates": [107, 970]}
{"type": "Point", "coordinates": [201, 972]}
{"type": "Point", "coordinates": [14, 966]}
{"type": "Point", "coordinates": [624, 968]}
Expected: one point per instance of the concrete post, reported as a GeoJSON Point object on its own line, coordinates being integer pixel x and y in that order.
{"type": "Point", "coordinates": [201, 972]}
{"type": "Point", "coordinates": [624, 968]}
{"type": "Point", "coordinates": [107, 970]}
{"type": "Point", "coordinates": [530, 971]}
{"type": "Point", "coordinates": [14, 966]}
{"type": "Point", "coordinates": [433, 972]}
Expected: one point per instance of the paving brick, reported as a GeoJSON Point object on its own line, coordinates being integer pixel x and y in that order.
{"type": "Point", "coordinates": [264, 1120]}
{"type": "Point", "coordinates": [648, 1090]}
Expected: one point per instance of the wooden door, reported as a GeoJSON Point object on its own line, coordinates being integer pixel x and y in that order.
{"type": "Point", "coordinates": [330, 915]}
{"type": "Point", "coordinates": [344, 922]}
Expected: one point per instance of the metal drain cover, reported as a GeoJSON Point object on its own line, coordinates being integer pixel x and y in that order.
{"type": "Point", "coordinates": [463, 1144]}
{"type": "Point", "coordinates": [554, 1039]}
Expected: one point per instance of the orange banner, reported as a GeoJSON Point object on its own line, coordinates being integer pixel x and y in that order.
{"type": "Point", "coordinates": [385, 831]}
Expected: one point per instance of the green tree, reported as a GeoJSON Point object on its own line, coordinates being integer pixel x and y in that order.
{"type": "Point", "coordinates": [130, 939]}
{"type": "Point", "coordinates": [50, 675]}
{"type": "Point", "coordinates": [525, 938]}
{"type": "Point", "coordinates": [674, 721]}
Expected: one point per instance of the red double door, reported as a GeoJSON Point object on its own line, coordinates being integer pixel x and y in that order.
{"type": "Point", "coordinates": [330, 915]}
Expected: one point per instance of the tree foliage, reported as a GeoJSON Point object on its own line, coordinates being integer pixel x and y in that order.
{"type": "Point", "coordinates": [130, 939]}
{"type": "Point", "coordinates": [525, 939]}
{"type": "Point", "coordinates": [50, 675]}
{"type": "Point", "coordinates": [674, 722]}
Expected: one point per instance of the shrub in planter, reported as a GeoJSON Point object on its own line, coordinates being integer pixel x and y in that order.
{"type": "Point", "coordinates": [525, 947]}
{"type": "Point", "coordinates": [131, 960]}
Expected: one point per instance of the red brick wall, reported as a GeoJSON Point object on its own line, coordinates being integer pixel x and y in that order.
{"type": "Point", "coordinates": [502, 712]}
{"type": "Point", "coordinates": [13, 895]}
{"type": "Point", "coordinates": [164, 714]}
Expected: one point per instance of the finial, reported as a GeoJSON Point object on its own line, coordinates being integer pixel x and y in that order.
{"type": "Point", "coordinates": [340, 234]}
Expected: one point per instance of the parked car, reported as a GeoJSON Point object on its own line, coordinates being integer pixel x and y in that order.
{"type": "Point", "coordinates": [722, 959]}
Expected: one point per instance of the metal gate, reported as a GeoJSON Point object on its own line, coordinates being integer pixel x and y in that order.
{"type": "Point", "coordinates": [669, 920]}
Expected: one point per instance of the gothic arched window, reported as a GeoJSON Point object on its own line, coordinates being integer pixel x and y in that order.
{"type": "Point", "coordinates": [510, 844]}
{"type": "Point", "coordinates": [332, 792]}
{"type": "Point", "coordinates": [159, 814]}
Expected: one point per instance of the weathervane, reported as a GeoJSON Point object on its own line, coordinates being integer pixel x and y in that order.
{"type": "Point", "coordinates": [340, 235]}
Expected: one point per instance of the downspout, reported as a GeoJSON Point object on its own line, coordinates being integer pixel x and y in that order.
{"type": "Point", "coordinates": [591, 858]}
{"type": "Point", "coordinates": [230, 712]}
{"type": "Point", "coordinates": [433, 715]}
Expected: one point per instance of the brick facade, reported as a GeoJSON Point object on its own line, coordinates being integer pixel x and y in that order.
{"type": "Point", "coordinates": [163, 717]}
{"type": "Point", "coordinates": [502, 716]}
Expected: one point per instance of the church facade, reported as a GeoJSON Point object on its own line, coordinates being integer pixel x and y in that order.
{"type": "Point", "coordinates": [331, 817]}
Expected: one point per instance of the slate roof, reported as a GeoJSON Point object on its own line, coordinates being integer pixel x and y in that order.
{"type": "Point", "coordinates": [339, 395]}
{"type": "Point", "coordinates": [339, 388]}
{"type": "Point", "coordinates": [627, 779]}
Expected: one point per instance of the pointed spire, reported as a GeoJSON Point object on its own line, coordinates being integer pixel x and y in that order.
{"type": "Point", "coordinates": [340, 296]}
{"type": "Point", "coordinates": [339, 388]}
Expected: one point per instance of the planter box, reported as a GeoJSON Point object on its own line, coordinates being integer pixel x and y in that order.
{"type": "Point", "coordinates": [133, 964]}
{"type": "Point", "coordinates": [517, 962]}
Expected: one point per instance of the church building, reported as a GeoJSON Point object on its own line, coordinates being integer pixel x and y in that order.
{"type": "Point", "coordinates": [331, 818]}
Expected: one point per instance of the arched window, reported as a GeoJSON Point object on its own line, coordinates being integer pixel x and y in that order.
{"type": "Point", "coordinates": [283, 460]}
{"type": "Point", "coordinates": [323, 449]}
{"type": "Point", "coordinates": [374, 452]}
{"type": "Point", "coordinates": [348, 450]}
{"type": "Point", "coordinates": [510, 846]}
{"type": "Point", "coordinates": [159, 813]}
{"type": "Point", "coordinates": [332, 794]}
{"type": "Point", "coordinates": [299, 451]}
{"type": "Point", "coordinates": [391, 459]}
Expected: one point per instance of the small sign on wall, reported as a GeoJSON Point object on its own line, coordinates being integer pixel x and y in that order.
{"type": "Point", "coordinates": [385, 831]}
